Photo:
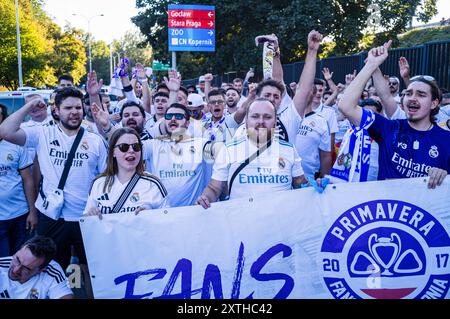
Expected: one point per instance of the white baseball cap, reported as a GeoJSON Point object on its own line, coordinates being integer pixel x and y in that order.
{"type": "Point", "coordinates": [195, 100]}
{"type": "Point", "coordinates": [201, 79]}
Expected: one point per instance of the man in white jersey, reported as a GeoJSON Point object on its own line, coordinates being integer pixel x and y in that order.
{"type": "Point", "coordinates": [53, 144]}
{"type": "Point", "coordinates": [178, 159]}
{"type": "Point", "coordinates": [17, 196]}
{"type": "Point", "coordinates": [256, 163]}
{"type": "Point", "coordinates": [32, 274]}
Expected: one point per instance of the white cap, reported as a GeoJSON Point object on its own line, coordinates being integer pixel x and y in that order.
{"type": "Point", "coordinates": [201, 79]}
{"type": "Point", "coordinates": [195, 100]}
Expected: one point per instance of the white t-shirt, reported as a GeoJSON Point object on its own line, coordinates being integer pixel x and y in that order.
{"type": "Point", "coordinates": [329, 114]}
{"type": "Point", "coordinates": [271, 171]}
{"type": "Point", "coordinates": [51, 283]}
{"type": "Point", "coordinates": [31, 123]}
{"type": "Point", "coordinates": [53, 146]}
{"type": "Point", "coordinates": [312, 136]}
{"type": "Point", "coordinates": [148, 192]}
{"type": "Point", "coordinates": [180, 167]}
{"type": "Point", "coordinates": [13, 159]}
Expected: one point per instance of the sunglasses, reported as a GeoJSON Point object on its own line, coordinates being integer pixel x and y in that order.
{"type": "Point", "coordinates": [124, 147]}
{"type": "Point", "coordinates": [178, 116]}
{"type": "Point", "coordinates": [218, 102]}
{"type": "Point", "coordinates": [428, 78]}
{"type": "Point", "coordinates": [393, 83]}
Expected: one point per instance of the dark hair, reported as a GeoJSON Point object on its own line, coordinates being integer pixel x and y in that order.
{"type": "Point", "coordinates": [65, 93]}
{"type": "Point", "coordinates": [132, 104]}
{"type": "Point", "coordinates": [164, 94]}
{"type": "Point", "coordinates": [184, 90]}
{"type": "Point", "coordinates": [66, 77]}
{"type": "Point", "coordinates": [4, 111]}
{"type": "Point", "coordinates": [269, 82]}
{"type": "Point", "coordinates": [290, 92]}
{"type": "Point", "coordinates": [318, 81]}
{"type": "Point", "coordinates": [446, 96]}
{"type": "Point", "coordinates": [435, 94]}
{"type": "Point", "coordinates": [41, 247]}
{"type": "Point", "coordinates": [371, 102]}
{"type": "Point", "coordinates": [162, 86]}
{"type": "Point", "coordinates": [191, 87]}
{"type": "Point", "coordinates": [236, 80]}
{"type": "Point", "coordinates": [232, 89]}
{"type": "Point", "coordinates": [181, 107]}
{"type": "Point", "coordinates": [216, 92]}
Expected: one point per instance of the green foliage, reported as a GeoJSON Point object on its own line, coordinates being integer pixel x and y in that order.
{"type": "Point", "coordinates": [238, 22]}
{"type": "Point", "coordinates": [46, 51]}
{"type": "Point", "coordinates": [420, 36]}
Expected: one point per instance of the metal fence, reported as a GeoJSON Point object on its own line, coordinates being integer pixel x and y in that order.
{"type": "Point", "coordinates": [432, 58]}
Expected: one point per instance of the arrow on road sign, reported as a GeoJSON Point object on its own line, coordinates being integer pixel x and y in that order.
{"type": "Point", "coordinates": [211, 23]}
{"type": "Point", "coordinates": [210, 33]}
{"type": "Point", "coordinates": [210, 14]}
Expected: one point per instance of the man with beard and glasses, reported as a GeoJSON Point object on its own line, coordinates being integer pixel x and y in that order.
{"type": "Point", "coordinates": [413, 147]}
{"type": "Point", "coordinates": [53, 144]}
{"type": "Point", "coordinates": [271, 163]}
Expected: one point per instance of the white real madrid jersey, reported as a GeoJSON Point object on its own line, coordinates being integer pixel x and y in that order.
{"type": "Point", "coordinates": [180, 167]}
{"type": "Point", "coordinates": [313, 135]}
{"type": "Point", "coordinates": [53, 146]}
{"type": "Point", "coordinates": [48, 284]}
{"type": "Point", "coordinates": [271, 171]}
{"type": "Point", "coordinates": [13, 158]}
{"type": "Point", "coordinates": [148, 192]}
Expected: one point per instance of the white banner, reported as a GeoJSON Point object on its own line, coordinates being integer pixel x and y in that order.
{"type": "Point", "coordinates": [385, 239]}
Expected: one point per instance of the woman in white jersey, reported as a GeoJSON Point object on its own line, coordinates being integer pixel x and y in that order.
{"type": "Point", "coordinates": [125, 186]}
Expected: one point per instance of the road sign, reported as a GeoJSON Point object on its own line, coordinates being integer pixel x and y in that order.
{"type": "Point", "coordinates": [192, 28]}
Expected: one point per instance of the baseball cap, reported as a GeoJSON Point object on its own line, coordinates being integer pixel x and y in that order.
{"type": "Point", "coordinates": [201, 79]}
{"type": "Point", "coordinates": [195, 100]}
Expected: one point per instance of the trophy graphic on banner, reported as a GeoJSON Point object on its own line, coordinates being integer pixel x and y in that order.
{"type": "Point", "coordinates": [385, 251]}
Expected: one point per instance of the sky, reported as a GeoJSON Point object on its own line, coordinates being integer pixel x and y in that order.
{"type": "Point", "coordinates": [117, 14]}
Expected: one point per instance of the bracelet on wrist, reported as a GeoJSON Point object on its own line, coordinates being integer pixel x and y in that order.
{"type": "Point", "coordinates": [109, 129]}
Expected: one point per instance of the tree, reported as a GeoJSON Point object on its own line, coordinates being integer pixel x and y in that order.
{"type": "Point", "coordinates": [133, 46]}
{"type": "Point", "coordinates": [238, 22]}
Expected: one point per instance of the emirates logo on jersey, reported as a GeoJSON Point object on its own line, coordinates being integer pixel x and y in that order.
{"type": "Point", "coordinates": [134, 198]}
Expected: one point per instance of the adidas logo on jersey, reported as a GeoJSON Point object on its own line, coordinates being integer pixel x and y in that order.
{"type": "Point", "coordinates": [4, 295]}
{"type": "Point", "coordinates": [103, 197]}
{"type": "Point", "coordinates": [55, 142]}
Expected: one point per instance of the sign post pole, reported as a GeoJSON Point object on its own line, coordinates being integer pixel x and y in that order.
{"type": "Point", "coordinates": [174, 60]}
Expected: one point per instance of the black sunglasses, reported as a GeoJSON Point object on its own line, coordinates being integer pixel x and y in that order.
{"type": "Point", "coordinates": [124, 147]}
{"type": "Point", "coordinates": [178, 116]}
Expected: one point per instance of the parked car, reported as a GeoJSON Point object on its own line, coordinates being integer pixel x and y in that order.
{"type": "Point", "coordinates": [14, 100]}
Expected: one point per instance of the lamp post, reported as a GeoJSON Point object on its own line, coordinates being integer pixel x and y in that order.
{"type": "Point", "coordinates": [89, 34]}
{"type": "Point", "coordinates": [19, 50]}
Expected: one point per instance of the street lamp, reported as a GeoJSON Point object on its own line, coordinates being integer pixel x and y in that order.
{"type": "Point", "coordinates": [89, 34]}
{"type": "Point", "coordinates": [19, 51]}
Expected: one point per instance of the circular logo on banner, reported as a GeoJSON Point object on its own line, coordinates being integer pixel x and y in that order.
{"type": "Point", "coordinates": [386, 249]}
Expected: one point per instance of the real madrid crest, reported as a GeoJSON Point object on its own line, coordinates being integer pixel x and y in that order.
{"type": "Point", "coordinates": [281, 163]}
{"type": "Point", "coordinates": [10, 158]}
{"type": "Point", "coordinates": [433, 152]}
{"type": "Point", "coordinates": [34, 294]}
{"type": "Point", "coordinates": [84, 146]}
{"type": "Point", "coordinates": [134, 198]}
{"type": "Point", "coordinates": [192, 149]}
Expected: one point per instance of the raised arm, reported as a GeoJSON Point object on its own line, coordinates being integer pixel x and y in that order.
{"type": "Point", "coordinates": [93, 88]}
{"type": "Point", "coordinates": [328, 76]}
{"type": "Point", "coordinates": [405, 70]}
{"type": "Point", "coordinates": [146, 96]}
{"type": "Point", "coordinates": [173, 84]}
{"type": "Point", "coordinates": [10, 128]}
{"type": "Point", "coordinates": [348, 104]}
{"type": "Point", "coordinates": [306, 81]}
{"type": "Point", "coordinates": [239, 115]}
{"type": "Point", "coordinates": [387, 100]}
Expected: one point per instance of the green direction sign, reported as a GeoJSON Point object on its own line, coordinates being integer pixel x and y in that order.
{"type": "Point", "coordinates": [159, 66]}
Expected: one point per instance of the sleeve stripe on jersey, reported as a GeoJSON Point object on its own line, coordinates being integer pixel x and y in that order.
{"type": "Point", "coordinates": [55, 273]}
{"type": "Point", "coordinates": [25, 167]}
{"type": "Point", "coordinates": [158, 183]}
